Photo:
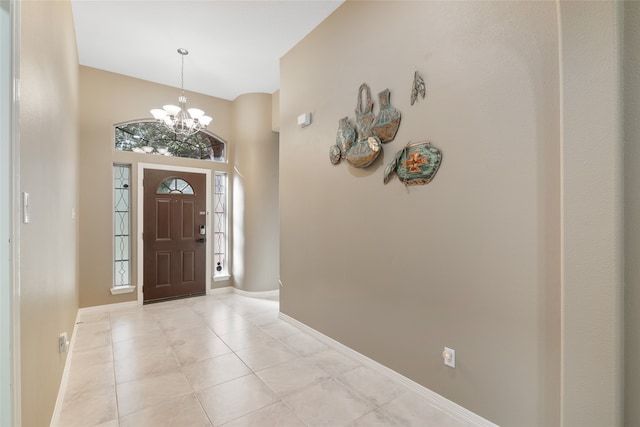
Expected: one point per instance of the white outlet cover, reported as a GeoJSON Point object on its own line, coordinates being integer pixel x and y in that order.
{"type": "Point", "coordinates": [449, 356]}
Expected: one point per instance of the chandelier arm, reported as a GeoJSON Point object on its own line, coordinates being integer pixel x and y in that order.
{"type": "Point", "coordinates": [182, 122]}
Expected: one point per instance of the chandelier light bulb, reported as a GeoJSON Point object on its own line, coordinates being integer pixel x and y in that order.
{"type": "Point", "coordinates": [179, 119]}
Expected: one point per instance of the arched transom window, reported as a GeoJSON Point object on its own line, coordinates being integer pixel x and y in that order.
{"type": "Point", "coordinates": [154, 138]}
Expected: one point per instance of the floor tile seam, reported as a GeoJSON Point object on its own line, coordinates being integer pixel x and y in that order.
{"type": "Point", "coordinates": [356, 393]}
{"type": "Point", "coordinates": [65, 411]}
{"type": "Point", "coordinates": [297, 331]}
{"type": "Point", "coordinates": [299, 358]}
{"type": "Point", "coordinates": [362, 395]}
{"type": "Point", "coordinates": [295, 413]}
{"type": "Point", "coordinates": [277, 397]}
{"type": "Point", "coordinates": [191, 339]}
{"type": "Point", "coordinates": [260, 409]}
{"type": "Point", "coordinates": [221, 383]}
{"type": "Point", "coordinates": [175, 354]}
{"type": "Point", "coordinates": [253, 371]}
{"type": "Point", "coordinates": [211, 329]}
{"type": "Point", "coordinates": [168, 329]}
{"type": "Point", "coordinates": [238, 417]}
{"type": "Point", "coordinates": [87, 387]}
{"type": "Point", "coordinates": [206, 414]}
{"type": "Point", "coordinates": [290, 347]}
{"type": "Point", "coordinates": [144, 350]}
{"type": "Point", "coordinates": [383, 413]}
{"type": "Point", "coordinates": [115, 378]}
{"type": "Point", "coordinates": [383, 409]}
{"type": "Point", "coordinates": [146, 407]}
{"type": "Point", "coordinates": [146, 375]}
{"type": "Point", "coordinates": [299, 389]}
{"type": "Point", "coordinates": [246, 414]}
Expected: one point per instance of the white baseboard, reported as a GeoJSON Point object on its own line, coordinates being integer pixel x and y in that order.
{"type": "Point", "coordinates": [55, 418]}
{"type": "Point", "coordinates": [218, 291]}
{"type": "Point", "coordinates": [437, 400]}
{"type": "Point", "coordinates": [257, 294]}
{"type": "Point", "coordinates": [231, 289]}
{"type": "Point", "coordinates": [108, 307]}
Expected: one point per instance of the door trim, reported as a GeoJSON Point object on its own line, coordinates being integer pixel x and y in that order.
{"type": "Point", "coordinates": [11, 205]}
{"type": "Point", "coordinates": [140, 222]}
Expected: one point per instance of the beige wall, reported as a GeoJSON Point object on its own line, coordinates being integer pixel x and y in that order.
{"type": "Point", "coordinates": [631, 66]}
{"type": "Point", "coordinates": [275, 109]}
{"type": "Point", "coordinates": [107, 99]}
{"type": "Point", "coordinates": [49, 173]}
{"type": "Point", "coordinates": [591, 183]}
{"type": "Point", "coordinates": [255, 195]}
{"type": "Point", "coordinates": [465, 262]}
{"type": "Point", "coordinates": [474, 260]}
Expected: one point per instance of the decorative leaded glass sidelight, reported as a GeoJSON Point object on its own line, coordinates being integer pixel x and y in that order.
{"type": "Point", "coordinates": [220, 225]}
{"type": "Point", "coordinates": [121, 225]}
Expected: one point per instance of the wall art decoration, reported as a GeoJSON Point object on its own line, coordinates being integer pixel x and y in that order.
{"type": "Point", "coordinates": [416, 164]}
{"type": "Point", "coordinates": [418, 88]}
{"type": "Point", "coordinates": [334, 154]}
{"type": "Point", "coordinates": [345, 137]}
{"type": "Point", "coordinates": [388, 120]}
{"type": "Point", "coordinates": [361, 146]}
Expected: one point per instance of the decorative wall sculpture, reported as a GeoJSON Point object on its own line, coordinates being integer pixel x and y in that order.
{"type": "Point", "coordinates": [418, 88]}
{"type": "Point", "coordinates": [416, 164]}
{"type": "Point", "coordinates": [362, 146]}
{"type": "Point", "coordinates": [388, 120]}
{"type": "Point", "coordinates": [345, 137]}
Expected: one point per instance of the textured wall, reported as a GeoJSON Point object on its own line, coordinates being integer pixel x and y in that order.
{"type": "Point", "coordinates": [255, 198]}
{"type": "Point", "coordinates": [6, 230]}
{"type": "Point", "coordinates": [107, 99]}
{"type": "Point", "coordinates": [252, 153]}
{"type": "Point", "coordinates": [631, 67]}
{"type": "Point", "coordinates": [592, 258]}
{"type": "Point", "coordinates": [470, 261]}
{"type": "Point", "coordinates": [49, 172]}
{"type": "Point", "coordinates": [513, 254]}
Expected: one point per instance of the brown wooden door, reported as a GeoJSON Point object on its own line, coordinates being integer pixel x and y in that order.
{"type": "Point", "coordinates": [174, 249]}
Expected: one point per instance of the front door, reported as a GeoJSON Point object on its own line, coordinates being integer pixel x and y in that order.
{"type": "Point", "coordinates": [174, 234]}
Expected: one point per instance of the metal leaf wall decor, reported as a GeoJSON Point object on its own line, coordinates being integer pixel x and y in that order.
{"type": "Point", "coordinates": [416, 164]}
{"type": "Point", "coordinates": [419, 88]}
{"type": "Point", "coordinates": [361, 146]}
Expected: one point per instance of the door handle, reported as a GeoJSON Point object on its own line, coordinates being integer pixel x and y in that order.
{"type": "Point", "coordinates": [201, 240]}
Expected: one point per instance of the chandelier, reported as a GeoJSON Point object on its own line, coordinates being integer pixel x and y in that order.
{"type": "Point", "coordinates": [179, 119]}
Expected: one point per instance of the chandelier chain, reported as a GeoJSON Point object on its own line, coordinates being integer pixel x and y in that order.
{"type": "Point", "coordinates": [182, 72]}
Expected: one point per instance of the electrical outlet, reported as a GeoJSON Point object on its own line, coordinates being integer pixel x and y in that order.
{"type": "Point", "coordinates": [449, 356]}
{"type": "Point", "coordinates": [63, 343]}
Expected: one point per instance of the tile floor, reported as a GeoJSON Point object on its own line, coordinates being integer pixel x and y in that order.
{"type": "Point", "coordinates": [224, 360]}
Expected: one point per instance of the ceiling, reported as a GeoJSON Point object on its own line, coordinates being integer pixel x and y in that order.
{"type": "Point", "coordinates": [234, 46]}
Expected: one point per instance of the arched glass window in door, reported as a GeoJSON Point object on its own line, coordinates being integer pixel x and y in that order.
{"type": "Point", "coordinates": [174, 186]}
{"type": "Point", "coordinates": [153, 138]}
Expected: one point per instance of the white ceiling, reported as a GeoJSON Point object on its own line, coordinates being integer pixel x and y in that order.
{"type": "Point", "coordinates": [234, 46]}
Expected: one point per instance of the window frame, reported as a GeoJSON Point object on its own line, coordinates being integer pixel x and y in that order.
{"type": "Point", "coordinates": [129, 287]}
{"type": "Point", "coordinates": [225, 273]}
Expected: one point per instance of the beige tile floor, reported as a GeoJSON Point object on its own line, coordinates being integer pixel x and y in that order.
{"type": "Point", "coordinates": [224, 360]}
